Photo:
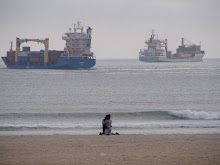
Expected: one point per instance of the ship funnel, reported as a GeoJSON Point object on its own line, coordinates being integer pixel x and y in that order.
{"type": "Point", "coordinates": [11, 46]}
{"type": "Point", "coordinates": [182, 42]}
{"type": "Point", "coordinates": [89, 32]}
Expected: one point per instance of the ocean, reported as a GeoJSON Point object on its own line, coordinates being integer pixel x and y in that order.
{"type": "Point", "coordinates": [142, 98]}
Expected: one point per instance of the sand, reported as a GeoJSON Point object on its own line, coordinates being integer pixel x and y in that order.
{"type": "Point", "coordinates": [114, 149]}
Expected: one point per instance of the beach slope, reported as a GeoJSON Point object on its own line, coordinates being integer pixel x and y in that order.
{"type": "Point", "coordinates": [117, 149]}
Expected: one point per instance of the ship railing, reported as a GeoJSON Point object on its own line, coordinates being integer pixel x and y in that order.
{"type": "Point", "coordinates": [155, 55]}
{"type": "Point", "coordinates": [181, 58]}
{"type": "Point", "coordinates": [78, 57]}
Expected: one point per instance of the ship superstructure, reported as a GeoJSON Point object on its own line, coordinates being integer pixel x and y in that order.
{"type": "Point", "coordinates": [156, 51]}
{"type": "Point", "coordinates": [78, 43]}
{"type": "Point", "coordinates": [76, 54]}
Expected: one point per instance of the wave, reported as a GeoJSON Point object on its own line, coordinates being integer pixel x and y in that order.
{"type": "Point", "coordinates": [155, 115]}
{"type": "Point", "coordinates": [197, 115]}
{"type": "Point", "coordinates": [17, 127]}
{"type": "Point", "coordinates": [69, 126]}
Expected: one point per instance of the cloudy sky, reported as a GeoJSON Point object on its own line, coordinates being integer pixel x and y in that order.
{"type": "Point", "coordinates": [120, 27]}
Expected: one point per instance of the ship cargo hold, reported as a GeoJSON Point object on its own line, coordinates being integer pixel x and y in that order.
{"type": "Point", "coordinates": [76, 54]}
{"type": "Point", "coordinates": [156, 51]}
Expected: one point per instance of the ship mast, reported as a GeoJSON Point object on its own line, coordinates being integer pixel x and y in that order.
{"type": "Point", "coordinates": [153, 33]}
{"type": "Point", "coordinates": [79, 27]}
{"type": "Point", "coordinates": [151, 44]}
{"type": "Point", "coordinates": [166, 46]}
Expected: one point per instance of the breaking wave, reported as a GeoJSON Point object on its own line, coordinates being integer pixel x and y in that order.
{"type": "Point", "coordinates": [121, 120]}
{"type": "Point", "coordinates": [25, 127]}
{"type": "Point", "coordinates": [156, 115]}
{"type": "Point", "coordinates": [197, 115]}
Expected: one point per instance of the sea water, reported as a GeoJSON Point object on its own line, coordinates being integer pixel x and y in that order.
{"type": "Point", "coordinates": [142, 98]}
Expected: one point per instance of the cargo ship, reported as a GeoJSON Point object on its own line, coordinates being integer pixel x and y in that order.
{"type": "Point", "coordinates": [76, 54]}
{"type": "Point", "coordinates": [156, 51]}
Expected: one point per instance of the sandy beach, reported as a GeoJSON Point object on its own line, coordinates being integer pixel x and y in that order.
{"type": "Point", "coordinates": [114, 149]}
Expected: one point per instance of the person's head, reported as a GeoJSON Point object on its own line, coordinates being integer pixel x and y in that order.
{"type": "Point", "coordinates": [108, 116]}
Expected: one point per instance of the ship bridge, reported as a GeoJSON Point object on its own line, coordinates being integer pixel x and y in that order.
{"type": "Point", "coordinates": [78, 43]}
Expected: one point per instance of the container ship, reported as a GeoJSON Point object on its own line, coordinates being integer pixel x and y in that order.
{"type": "Point", "coordinates": [76, 54]}
{"type": "Point", "coordinates": [157, 51]}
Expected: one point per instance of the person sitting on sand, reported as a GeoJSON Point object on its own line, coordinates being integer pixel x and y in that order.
{"type": "Point", "coordinates": [103, 125]}
{"type": "Point", "coordinates": [108, 124]}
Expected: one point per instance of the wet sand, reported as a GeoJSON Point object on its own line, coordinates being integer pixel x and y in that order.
{"type": "Point", "coordinates": [114, 149]}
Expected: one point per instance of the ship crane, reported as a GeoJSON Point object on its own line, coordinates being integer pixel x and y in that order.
{"type": "Point", "coordinates": [20, 41]}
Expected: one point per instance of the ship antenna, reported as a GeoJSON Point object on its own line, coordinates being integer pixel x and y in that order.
{"type": "Point", "coordinates": [153, 33]}
{"type": "Point", "coordinates": [74, 28]}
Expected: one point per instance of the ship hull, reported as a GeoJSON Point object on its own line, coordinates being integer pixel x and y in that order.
{"type": "Point", "coordinates": [61, 64]}
{"type": "Point", "coordinates": [196, 58]}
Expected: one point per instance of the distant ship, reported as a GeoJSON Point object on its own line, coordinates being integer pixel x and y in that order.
{"type": "Point", "coordinates": [156, 51]}
{"type": "Point", "coordinates": [76, 54]}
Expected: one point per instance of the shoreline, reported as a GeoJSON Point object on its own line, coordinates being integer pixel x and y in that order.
{"type": "Point", "coordinates": [114, 133]}
{"type": "Point", "coordinates": [114, 149]}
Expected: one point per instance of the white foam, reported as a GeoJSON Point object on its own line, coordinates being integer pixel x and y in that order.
{"type": "Point", "coordinates": [177, 124]}
{"type": "Point", "coordinates": [52, 126]}
{"type": "Point", "coordinates": [199, 115]}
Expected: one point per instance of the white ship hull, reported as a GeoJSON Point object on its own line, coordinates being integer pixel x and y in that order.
{"type": "Point", "coordinates": [196, 58]}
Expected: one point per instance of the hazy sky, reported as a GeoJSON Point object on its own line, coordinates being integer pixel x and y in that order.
{"type": "Point", "coordinates": [120, 27]}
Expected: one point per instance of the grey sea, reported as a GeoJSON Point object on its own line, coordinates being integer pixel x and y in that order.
{"type": "Point", "coordinates": [142, 98]}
